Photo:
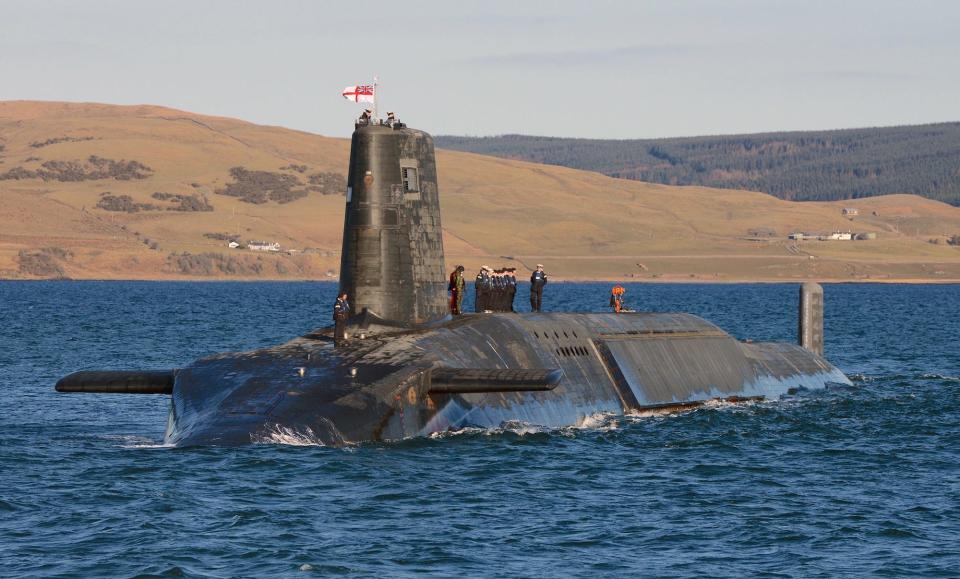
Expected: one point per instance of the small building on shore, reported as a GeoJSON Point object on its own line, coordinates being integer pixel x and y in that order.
{"type": "Point", "coordinates": [837, 236]}
{"type": "Point", "coordinates": [263, 246]}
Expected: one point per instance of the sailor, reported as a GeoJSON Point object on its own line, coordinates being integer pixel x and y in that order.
{"type": "Point", "coordinates": [616, 298]}
{"type": "Point", "coordinates": [365, 116]}
{"type": "Point", "coordinates": [501, 290]}
{"type": "Point", "coordinates": [341, 311]}
{"type": "Point", "coordinates": [537, 280]}
{"type": "Point", "coordinates": [496, 291]}
{"type": "Point", "coordinates": [391, 119]}
{"type": "Point", "coordinates": [511, 287]}
{"type": "Point", "coordinates": [482, 287]}
{"type": "Point", "coordinates": [456, 288]}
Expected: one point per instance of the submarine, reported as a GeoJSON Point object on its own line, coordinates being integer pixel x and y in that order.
{"type": "Point", "coordinates": [410, 369]}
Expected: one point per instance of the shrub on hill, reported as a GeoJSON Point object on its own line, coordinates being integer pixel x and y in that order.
{"type": "Point", "coordinates": [55, 140]}
{"type": "Point", "coordinates": [123, 203]}
{"type": "Point", "coordinates": [328, 183]}
{"type": "Point", "coordinates": [43, 263]}
{"type": "Point", "coordinates": [184, 202]}
{"type": "Point", "coordinates": [297, 168]}
{"type": "Point", "coordinates": [58, 252]}
{"type": "Point", "coordinates": [93, 169]}
{"type": "Point", "coordinates": [213, 263]}
{"type": "Point", "coordinates": [222, 237]}
{"type": "Point", "coordinates": [263, 186]}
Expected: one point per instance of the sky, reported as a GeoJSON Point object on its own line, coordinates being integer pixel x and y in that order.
{"type": "Point", "coordinates": [597, 69]}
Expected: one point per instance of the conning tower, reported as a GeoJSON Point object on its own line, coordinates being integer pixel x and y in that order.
{"type": "Point", "coordinates": [392, 262]}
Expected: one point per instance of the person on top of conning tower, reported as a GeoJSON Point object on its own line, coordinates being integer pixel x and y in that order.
{"type": "Point", "coordinates": [537, 280]}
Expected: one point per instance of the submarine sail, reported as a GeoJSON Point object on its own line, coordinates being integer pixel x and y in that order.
{"type": "Point", "coordinates": [392, 260]}
{"type": "Point", "coordinates": [410, 369]}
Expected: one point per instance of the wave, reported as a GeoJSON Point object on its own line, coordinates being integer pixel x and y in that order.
{"type": "Point", "coordinates": [277, 434]}
{"type": "Point", "coordinates": [134, 441]}
{"type": "Point", "coordinates": [939, 377]}
{"type": "Point", "coordinates": [327, 434]}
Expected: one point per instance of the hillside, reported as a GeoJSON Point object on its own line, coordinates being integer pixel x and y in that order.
{"type": "Point", "coordinates": [815, 165]}
{"type": "Point", "coordinates": [93, 191]}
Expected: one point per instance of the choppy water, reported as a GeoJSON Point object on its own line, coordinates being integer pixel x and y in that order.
{"type": "Point", "coordinates": [854, 481]}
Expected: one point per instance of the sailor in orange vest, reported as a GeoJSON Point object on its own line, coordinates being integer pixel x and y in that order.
{"type": "Point", "coordinates": [616, 298]}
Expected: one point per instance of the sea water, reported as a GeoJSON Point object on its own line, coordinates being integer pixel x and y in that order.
{"type": "Point", "coordinates": [854, 481]}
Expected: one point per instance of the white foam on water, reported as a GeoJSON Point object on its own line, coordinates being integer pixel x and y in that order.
{"type": "Point", "coordinates": [134, 441]}
{"type": "Point", "coordinates": [600, 421]}
{"type": "Point", "coordinates": [714, 404]}
{"type": "Point", "coordinates": [277, 434]}
{"type": "Point", "coordinates": [940, 377]}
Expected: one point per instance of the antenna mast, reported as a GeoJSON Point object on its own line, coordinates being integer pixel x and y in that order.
{"type": "Point", "coordinates": [375, 119]}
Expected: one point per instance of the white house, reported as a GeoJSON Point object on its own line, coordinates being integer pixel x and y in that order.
{"type": "Point", "coordinates": [263, 246]}
{"type": "Point", "coordinates": [838, 236]}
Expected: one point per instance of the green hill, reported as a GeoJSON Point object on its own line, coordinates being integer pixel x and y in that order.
{"type": "Point", "coordinates": [812, 165]}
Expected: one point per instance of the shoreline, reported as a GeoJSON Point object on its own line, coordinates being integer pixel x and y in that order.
{"type": "Point", "coordinates": [680, 281]}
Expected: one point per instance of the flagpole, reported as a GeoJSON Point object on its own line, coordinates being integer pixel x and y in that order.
{"type": "Point", "coordinates": [375, 119]}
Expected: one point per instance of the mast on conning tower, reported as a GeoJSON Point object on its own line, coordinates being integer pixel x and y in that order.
{"type": "Point", "coordinates": [375, 119]}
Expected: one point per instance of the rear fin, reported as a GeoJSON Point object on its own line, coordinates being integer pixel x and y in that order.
{"type": "Point", "coordinates": [119, 382]}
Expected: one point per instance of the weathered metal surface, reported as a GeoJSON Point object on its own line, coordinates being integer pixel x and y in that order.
{"type": "Point", "coordinates": [392, 260]}
{"type": "Point", "coordinates": [392, 395]}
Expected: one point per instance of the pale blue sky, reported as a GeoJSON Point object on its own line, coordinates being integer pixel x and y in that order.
{"type": "Point", "coordinates": [586, 69]}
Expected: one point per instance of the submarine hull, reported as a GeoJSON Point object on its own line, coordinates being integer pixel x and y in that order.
{"type": "Point", "coordinates": [411, 370]}
{"type": "Point", "coordinates": [483, 370]}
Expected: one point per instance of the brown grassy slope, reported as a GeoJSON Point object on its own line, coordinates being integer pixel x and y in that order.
{"type": "Point", "coordinates": [583, 225]}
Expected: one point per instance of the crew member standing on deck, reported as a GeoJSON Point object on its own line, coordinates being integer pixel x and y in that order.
{"type": "Point", "coordinates": [482, 287]}
{"type": "Point", "coordinates": [341, 311]}
{"type": "Point", "coordinates": [496, 291]}
{"type": "Point", "coordinates": [537, 281]}
{"type": "Point", "coordinates": [511, 287]}
{"type": "Point", "coordinates": [616, 299]}
{"type": "Point", "coordinates": [457, 289]}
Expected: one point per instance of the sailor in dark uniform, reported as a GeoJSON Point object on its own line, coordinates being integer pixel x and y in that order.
{"type": "Point", "coordinates": [537, 281]}
{"type": "Point", "coordinates": [341, 311]}
{"type": "Point", "coordinates": [511, 287]}
{"type": "Point", "coordinates": [482, 288]}
{"type": "Point", "coordinates": [456, 288]}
